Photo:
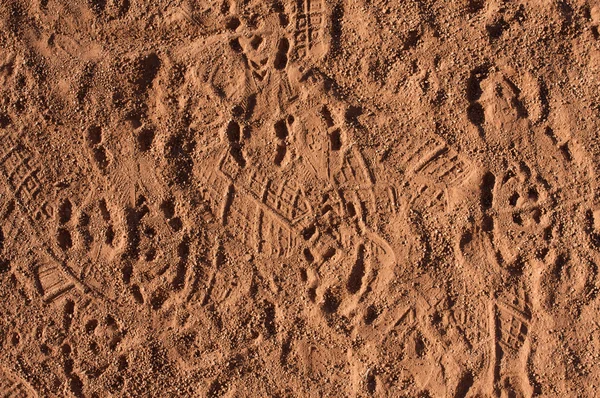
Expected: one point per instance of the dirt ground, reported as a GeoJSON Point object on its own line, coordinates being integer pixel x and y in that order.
{"type": "Point", "coordinates": [299, 198]}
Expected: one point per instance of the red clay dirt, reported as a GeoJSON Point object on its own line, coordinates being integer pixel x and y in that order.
{"type": "Point", "coordinates": [299, 198]}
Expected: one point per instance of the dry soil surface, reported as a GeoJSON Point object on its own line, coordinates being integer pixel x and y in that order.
{"type": "Point", "coordinates": [299, 198]}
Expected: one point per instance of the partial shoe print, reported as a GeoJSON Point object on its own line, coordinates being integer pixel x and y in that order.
{"type": "Point", "coordinates": [29, 215]}
{"type": "Point", "coordinates": [242, 65]}
{"type": "Point", "coordinates": [522, 225]}
{"type": "Point", "coordinates": [512, 321]}
{"type": "Point", "coordinates": [310, 23]}
{"type": "Point", "coordinates": [12, 386]}
{"type": "Point", "coordinates": [415, 336]}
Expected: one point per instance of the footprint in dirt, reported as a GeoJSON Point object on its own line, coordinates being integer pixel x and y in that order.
{"type": "Point", "coordinates": [346, 283]}
{"type": "Point", "coordinates": [144, 246]}
{"type": "Point", "coordinates": [155, 263]}
{"type": "Point", "coordinates": [262, 44]}
{"type": "Point", "coordinates": [77, 345]}
{"type": "Point", "coordinates": [253, 62]}
{"type": "Point", "coordinates": [110, 9]}
{"type": "Point", "coordinates": [497, 104]}
{"type": "Point", "coordinates": [346, 289]}
{"type": "Point", "coordinates": [282, 129]}
{"type": "Point", "coordinates": [516, 205]}
{"type": "Point", "coordinates": [323, 134]}
{"type": "Point", "coordinates": [92, 237]}
{"type": "Point", "coordinates": [95, 144]}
